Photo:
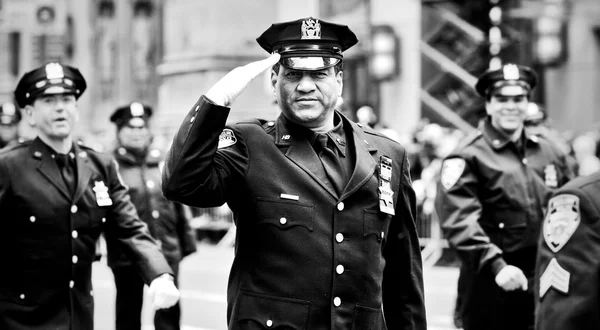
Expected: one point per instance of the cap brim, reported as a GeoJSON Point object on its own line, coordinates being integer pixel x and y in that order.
{"type": "Point", "coordinates": [510, 88]}
{"type": "Point", "coordinates": [309, 63]}
{"type": "Point", "coordinates": [136, 122]}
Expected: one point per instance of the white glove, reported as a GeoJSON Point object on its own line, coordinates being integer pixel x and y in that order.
{"type": "Point", "coordinates": [511, 278]}
{"type": "Point", "coordinates": [163, 292]}
{"type": "Point", "coordinates": [226, 90]}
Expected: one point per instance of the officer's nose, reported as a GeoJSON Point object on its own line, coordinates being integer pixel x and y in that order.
{"type": "Point", "coordinates": [306, 84]}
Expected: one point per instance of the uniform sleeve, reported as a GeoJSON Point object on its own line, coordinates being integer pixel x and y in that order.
{"type": "Point", "coordinates": [187, 238]}
{"type": "Point", "coordinates": [403, 293]}
{"type": "Point", "coordinates": [196, 172]}
{"type": "Point", "coordinates": [124, 225]}
{"type": "Point", "coordinates": [567, 280]}
{"type": "Point", "coordinates": [4, 181]}
{"type": "Point", "coordinates": [4, 193]}
{"type": "Point", "coordinates": [459, 209]}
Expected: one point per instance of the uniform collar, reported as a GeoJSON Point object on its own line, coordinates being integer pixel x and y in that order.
{"type": "Point", "coordinates": [286, 130]}
{"type": "Point", "coordinates": [498, 140]}
{"type": "Point", "coordinates": [49, 150]}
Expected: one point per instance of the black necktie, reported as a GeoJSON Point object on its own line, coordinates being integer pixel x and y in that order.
{"type": "Point", "coordinates": [67, 168]}
{"type": "Point", "coordinates": [330, 162]}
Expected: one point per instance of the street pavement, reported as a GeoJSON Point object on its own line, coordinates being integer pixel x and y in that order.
{"type": "Point", "coordinates": [203, 282]}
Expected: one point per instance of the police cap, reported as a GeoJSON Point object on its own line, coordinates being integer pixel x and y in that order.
{"type": "Point", "coordinates": [135, 114]}
{"type": "Point", "coordinates": [308, 43]}
{"type": "Point", "coordinates": [51, 78]}
{"type": "Point", "coordinates": [522, 77]}
{"type": "Point", "coordinates": [9, 114]}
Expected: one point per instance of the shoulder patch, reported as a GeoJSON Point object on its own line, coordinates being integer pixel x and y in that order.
{"type": "Point", "coordinates": [562, 219]}
{"type": "Point", "coordinates": [452, 169]}
{"type": "Point", "coordinates": [226, 139]}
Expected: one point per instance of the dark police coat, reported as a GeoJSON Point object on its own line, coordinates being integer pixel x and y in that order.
{"type": "Point", "coordinates": [490, 202]}
{"type": "Point", "coordinates": [304, 258]}
{"type": "Point", "coordinates": [567, 289]}
{"type": "Point", "coordinates": [48, 238]}
{"type": "Point", "coordinates": [166, 220]}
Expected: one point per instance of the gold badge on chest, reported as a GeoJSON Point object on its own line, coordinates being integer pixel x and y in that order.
{"type": "Point", "coordinates": [550, 176]}
{"type": "Point", "coordinates": [102, 196]}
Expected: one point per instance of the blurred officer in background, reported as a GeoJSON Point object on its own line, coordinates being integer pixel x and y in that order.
{"type": "Point", "coordinates": [537, 122]}
{"type": "Point", "coordinates": [10, 117]}
{"type": "Point", "coordinates": [567, 276]}
{"type": "Point", "coordinates": [139, 166]}
{"type": "Point", "coordinates": [60, 197]}
{"type": "Point", "coordinates": [324, 209]}
{"type": "Point", "coordinates": [491, 201]}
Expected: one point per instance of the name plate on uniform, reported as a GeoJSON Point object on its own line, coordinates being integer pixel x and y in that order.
{"type": "Point", "coordinates": [386, 194]}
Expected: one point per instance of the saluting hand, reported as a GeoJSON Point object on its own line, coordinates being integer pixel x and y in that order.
{"type": "Point", "coordinates": [163, 292]}
{"type": "Point", "coordinates": [511, 278]}
{"type": "Point", "coordinates": [226, 90]}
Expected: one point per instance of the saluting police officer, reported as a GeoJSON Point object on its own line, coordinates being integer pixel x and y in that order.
{"type": "Point", "coordinates": [139, 166]}
{"type": "Point", "coordinates": [56, 198]}
{"type": "Point", "coordinates": [567, 285]}
{"type": "Point", "coordinates": [10, 117]}
{"type": "Point", "coordinates": [324, 208]}
{"type": "Point", "coordinates": [491, 200]}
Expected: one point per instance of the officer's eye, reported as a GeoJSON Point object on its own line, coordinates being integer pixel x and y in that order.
{"type": "Point", "coordinates": [68, 98]}
{"type": "Point", "coordinates": [320, 74]}
{"type": "Point", "coordinates": [292, 74]}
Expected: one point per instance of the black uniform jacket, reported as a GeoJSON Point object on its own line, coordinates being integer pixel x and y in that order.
{"type": "Point", "coordinates": [568, 267]}
{"type": "Point", "coordinates": [48, 238]}
{"type": "Point", "coordinates": [304, 258]}
{"type": "Point", "coordinates": [167, 221]}
{"type": "Point", "coordinates": [491, 201]}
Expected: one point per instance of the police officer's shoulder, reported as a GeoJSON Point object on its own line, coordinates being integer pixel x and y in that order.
{"type": "Point", "coordinates": [88, 147]}
{"type": "Point", "coordinates": [154, 157]}
{"type": "Point", "coordinates": [375, 133]}
{"type": "Point", "coordinates": [15, 145]}
{"type": "Point", "coordinates": [588, 183]}
{"type": "Point", "coordinates": [469, 139]}
{"type": "Point", "coordinates": [264, 124]}
{"type": "Point", "coordinates": [551, 142]}
{"type": "Point", "coordinates": [94, 153]}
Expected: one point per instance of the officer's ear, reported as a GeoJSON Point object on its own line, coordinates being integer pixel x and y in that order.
{"type": "Point", "coordinates": [28, 110]}
{"type": "Point", "coordinates": [274, 78]}
{"type": "Point", "coordinates": [339, 77]}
